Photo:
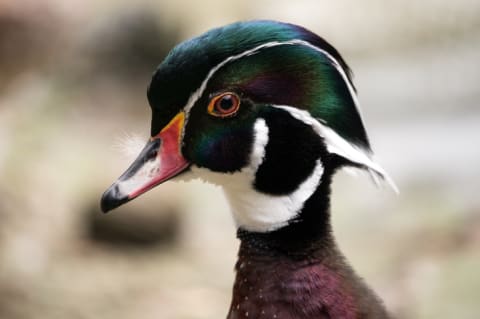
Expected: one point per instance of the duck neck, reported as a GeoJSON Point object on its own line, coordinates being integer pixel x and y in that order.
{"type": "Point", "coordinates": [298, 272]}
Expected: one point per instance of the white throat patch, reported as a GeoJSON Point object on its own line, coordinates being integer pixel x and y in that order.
{"type": "Point", "coordinates": [251, 209]}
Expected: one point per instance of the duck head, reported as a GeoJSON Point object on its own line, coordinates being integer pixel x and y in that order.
{"type": "Point", "coordinates": [263, 109]}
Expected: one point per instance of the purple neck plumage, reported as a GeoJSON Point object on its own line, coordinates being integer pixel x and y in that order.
{"type": "Point", "coordinates": [297, 272]}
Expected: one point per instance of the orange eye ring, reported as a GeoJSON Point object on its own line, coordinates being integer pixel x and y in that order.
{"type": "Point", "coordinates": [224, 105]}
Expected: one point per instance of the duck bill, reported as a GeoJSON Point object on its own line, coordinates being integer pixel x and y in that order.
{"type": "Point", "coordinates": [160, 160]}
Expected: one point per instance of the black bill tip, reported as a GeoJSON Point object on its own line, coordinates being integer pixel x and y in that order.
{"type": "Point", "coordinates": [112, 198]}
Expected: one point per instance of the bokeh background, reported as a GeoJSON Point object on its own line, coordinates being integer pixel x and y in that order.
{"type": "Point", "coordinates": [73, 77]}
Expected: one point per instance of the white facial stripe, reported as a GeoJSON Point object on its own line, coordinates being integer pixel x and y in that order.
{"type": "Point", "coordinates": [251, 209]}
{"type": "Point", "coordinates": [247, 174]}
{"type": "Point", "coordinates": [260, 142]}
{"type": "Point", "coordinates": [198, 93]}
{"type": "Point", "coordinates": [338, 145]}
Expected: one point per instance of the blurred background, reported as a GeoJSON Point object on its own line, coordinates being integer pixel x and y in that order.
{"type": "Point", "coordinates": [73, 78]}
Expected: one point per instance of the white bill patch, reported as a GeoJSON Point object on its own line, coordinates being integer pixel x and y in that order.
{"type": "Point", "coordinates": [146, 173]}
{"type": "Point", "coordinates": [338, 145]}
{"type": "Point", "coordinates": [251, 209]}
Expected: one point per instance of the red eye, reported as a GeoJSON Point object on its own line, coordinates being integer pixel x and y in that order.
{"type": "Point", "coordinates": [224, 105]}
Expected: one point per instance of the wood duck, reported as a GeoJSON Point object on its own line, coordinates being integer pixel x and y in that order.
{"type": "Point", "coordinates": [268, 111]}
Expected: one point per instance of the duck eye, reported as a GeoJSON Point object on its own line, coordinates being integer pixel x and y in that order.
{"type": "Point", "coordinates": [224, 105]}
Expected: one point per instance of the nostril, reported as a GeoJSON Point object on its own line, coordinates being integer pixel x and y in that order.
{"type": "Point", "coordinates": [151, 155]}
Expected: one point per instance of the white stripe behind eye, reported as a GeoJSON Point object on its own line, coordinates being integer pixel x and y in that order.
{"type": "Point", "coordinates": [338, 145]}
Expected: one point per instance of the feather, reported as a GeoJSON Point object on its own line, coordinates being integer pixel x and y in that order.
{"type": "Point", "coordinates": [129, 145]}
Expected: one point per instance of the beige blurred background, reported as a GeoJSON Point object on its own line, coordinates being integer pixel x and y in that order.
{"type": "Point", "coordinates": [73, 77]}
